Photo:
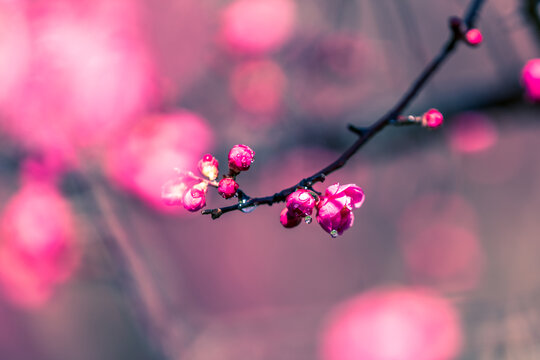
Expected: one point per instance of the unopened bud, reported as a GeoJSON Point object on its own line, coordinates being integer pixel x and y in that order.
{"type": "Point", "coordinates": [208, 166]}
{"type": "Point", "coordinates": [474, 37]}
{"type": "Point", "coordinates": [240, 158]}
{"type": "Point", "coordinates": [287, 220]}
{"type": "Point", "coordinates": [432, 118]}
{"type": "Point", "coordinates": [301, 203]}
{"type": "Point", "coordinates": [227, 187]}
{"type": "Point", "coordinates": [194, 199]}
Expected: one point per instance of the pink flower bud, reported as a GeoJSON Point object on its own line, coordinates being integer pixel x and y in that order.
{"type": "Point", "coordinates": [432, 118]}
{"type": "Point", "coordinates": [287, 220]}
{"type": "Point", "coordinates": [530, 77]}
{"type": "Point", "coordinates": [334, 210]}
{"type": "Point", "coordinates": [194, 199]}
{"type": "Point", "coordinates": [227, 187]}
{"type": "Point", "coordinates": [240, 158]}
{"type": "Point", "coordinates": [301, 203]}
{"type": "Point", "coordinates": [208, 166]}
{"type": "Point", "coordinates": [474, 37]}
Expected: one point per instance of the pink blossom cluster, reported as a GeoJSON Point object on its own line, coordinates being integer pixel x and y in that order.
{"type": "Point", "coordinates": [189, 190]}
{"type": "Point", "coordinates": [334, 208]}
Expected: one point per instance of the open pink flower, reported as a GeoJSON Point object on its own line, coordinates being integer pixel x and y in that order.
{"type": "Point", "coordinates": [334, 210]}
{"type": "Point", "coordinates": [301, 203]}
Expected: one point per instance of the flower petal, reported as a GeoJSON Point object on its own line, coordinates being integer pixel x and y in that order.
{"type": "Point", "coordinates": [355, 193]}
{"type": "Point", "coordinates": [332, 189]}
{"type": "Point", "coordinates": [347, 222]}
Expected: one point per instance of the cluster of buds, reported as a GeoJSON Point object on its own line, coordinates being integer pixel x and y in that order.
{"type": "Point", "coordinates": [189, 190]}
{"type": "Point", "coordinates": [334, 208]}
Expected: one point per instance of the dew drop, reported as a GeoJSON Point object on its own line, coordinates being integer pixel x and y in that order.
{"type": "Point", "coordinates": [308, 219]}
{"type": "Point", "coordinates": [248, 209]}
{"type": "Point", "coordinates": [334, 234]}
{"type": "Point", "coordinates": [244, 208]}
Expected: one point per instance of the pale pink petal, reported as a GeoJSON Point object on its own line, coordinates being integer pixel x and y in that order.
{"type": "Point", "coordinates": [332, 189]}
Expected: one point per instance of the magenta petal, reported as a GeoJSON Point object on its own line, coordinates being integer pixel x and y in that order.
{"type": "Point", "coordinates": [347, 222]}
{"type": "Point", "coordinates": [327, 213]}
{"type": "Point", "coordinates": [355, 193]}
{"type": "Point", "coordinates": [332, 189]}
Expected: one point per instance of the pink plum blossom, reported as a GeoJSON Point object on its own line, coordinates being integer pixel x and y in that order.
{"type": "Point", "coordinates": [75, 81]}
{"type": "Point", "coordinates": [143, 160]}
{"type": "Point", "coordinates": [301, 203]}
{"type": "Point", "coordinates": [227, 188]}
{"type": "Point", "coordinates": [258, 86]}
{"type": "Point", "coordinates": [208, 166]}
{"type": "Point", "coordinates": [334, 210]}
{"type": "Point", "coordinates": [240, 158]}
{"type": "Point", "coordinates": [288, 220]}
{"type": "Point", "coordinates": [393, 323]}
{"type": "Point", "coordinates": [194, 199]}
{"type": "Point", "coordinates": [37, 248]}
{"type": "Point", "coordinates": [257, 26]}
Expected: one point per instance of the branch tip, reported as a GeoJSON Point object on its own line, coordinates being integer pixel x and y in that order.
{"type": "Point", "coordinates": [214, 213]}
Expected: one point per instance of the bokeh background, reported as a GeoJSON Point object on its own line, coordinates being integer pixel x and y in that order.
{"type": "Point", "coordinates": [101, 99]}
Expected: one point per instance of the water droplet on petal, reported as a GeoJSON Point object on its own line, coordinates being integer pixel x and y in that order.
{"type": "Point", "coordinates": [308, 219]}
{"type": "Point", "coordinates": [334, 234]}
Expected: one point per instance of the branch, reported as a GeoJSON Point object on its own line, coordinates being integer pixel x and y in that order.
{"type": "Point", "coordinates": [364, 134]}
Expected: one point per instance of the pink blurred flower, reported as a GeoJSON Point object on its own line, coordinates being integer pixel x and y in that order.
{"type": "Point", "coordinates": [301, 203]}
{"type": "Point", "coordinates": [240, 158]}
{"type": "Point", "coordinates": [391, 324]}
{"type": "Point", "coordinates": [14, 47]}
{"type": "Point", "coordinates": [530, 77]}
{"type": "Point", "coordinates": [173, 191]}
{"type": "Point", "coordinates": [82, 54]}
{"type": "Point", "coordinates": [258, 26]}
{"type": "Point", "coordinates": [194, 199]}
{"type": "Point", "coordinates": [258, 86]}
{"type": "Point", "coordinates": [37, 251]}
{"type": "Point", "coordinates": [208, 166]}
{"type": "Point", "coordinates": [472, 132]}
{"type": "Point", "coordinates": [334, 210]}
{"type": "Point", "coordinates": [288, 220]}
{"type": "Point", "coordinates": [143, 160]}
{"type": "Point", "coordinates": [227, 187]}
{"type": "Point", "coordinates": [444, 255]}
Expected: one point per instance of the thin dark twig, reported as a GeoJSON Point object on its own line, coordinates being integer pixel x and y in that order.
{"type": "Point", "coordinates": [365, 134]}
